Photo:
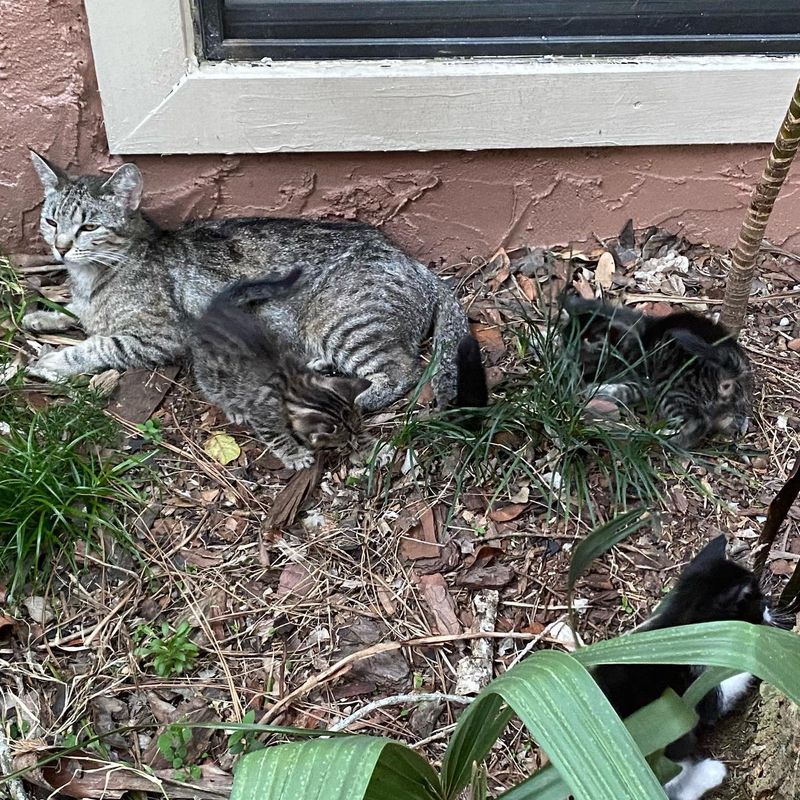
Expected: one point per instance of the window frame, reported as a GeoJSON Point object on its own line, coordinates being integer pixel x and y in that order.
{"type": "Point", "coordinates": [159, 97]}
{"type": "Point", "coordinates": [365, 29]}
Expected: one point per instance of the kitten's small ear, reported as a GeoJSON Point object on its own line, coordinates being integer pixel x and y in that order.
{"type": "Point", "coordinates": [349, 388]}
{"type": "Point", "coordinates": [692, 343]}
{"type": "Point", "coordinates": [126, 185]}
{"type": "Point", "coordinates": [712, 553]}
{"type": "Point", "coordinates": [49, 174]}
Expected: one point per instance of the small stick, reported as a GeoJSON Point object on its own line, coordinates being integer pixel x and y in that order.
{"type": "Point", "coordinates": [400, 699]}
{"type": "Point", "coordinates": [15, 787]}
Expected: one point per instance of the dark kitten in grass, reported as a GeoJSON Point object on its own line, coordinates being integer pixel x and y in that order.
{"type": "Point", "coordinates": [690, 369]}
{"type": "Point", "coordinates": [710, 589]}
{"type": "Point", "coordinates": [260, 381]}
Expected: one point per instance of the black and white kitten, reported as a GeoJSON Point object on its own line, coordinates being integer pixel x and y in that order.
{"type": "Point", "coordinates": [690, 369]}
{"type": "Point", "coordinates": [710, 589]}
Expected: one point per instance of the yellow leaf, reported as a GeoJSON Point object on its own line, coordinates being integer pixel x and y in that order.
{"type": "Point", "coordinates": [222, 448]}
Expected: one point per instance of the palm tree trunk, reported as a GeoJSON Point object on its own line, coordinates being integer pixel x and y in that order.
{"type": "Point", "coordinates": [740, 277]}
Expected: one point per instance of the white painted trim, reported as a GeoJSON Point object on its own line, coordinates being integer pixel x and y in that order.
{"type": "Point", "coordinates": [157, 98]}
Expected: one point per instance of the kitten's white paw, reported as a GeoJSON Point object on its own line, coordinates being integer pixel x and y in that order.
{"type": "Point", "coordinates": [297, 462]}
{"type": "Point", "coordinates": [46, 321]}
{"type": "Point", "coordinates": [696, 779]}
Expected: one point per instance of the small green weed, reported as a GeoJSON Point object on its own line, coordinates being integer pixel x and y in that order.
{"type": "Point", "coordinates": [173, 744]}
{"type": "Point", "coordinates": [240, 742]}
{"type": "Point", "coordinates": [151, 430]}
{"type": "Point", "coordinates": [171, 653]}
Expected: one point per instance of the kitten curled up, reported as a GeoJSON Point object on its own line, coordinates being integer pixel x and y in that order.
{"type": "Point", "coordinates": [710, 589]}
{"type": "Point", "coordinates": [689, 368]}
{"type": "Point", "coordinates": [361, 307]}
{"type": "Point", "coordinates": [259, 381]}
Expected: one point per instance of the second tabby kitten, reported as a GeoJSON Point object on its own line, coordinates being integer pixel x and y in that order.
{"type": "Point", "coordinates": [258, 380]}
{"type": "Point", "coordinates": [689, 368]}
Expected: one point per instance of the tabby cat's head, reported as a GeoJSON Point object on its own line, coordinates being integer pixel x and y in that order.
{"type": "Point", "coordinates": [719, 377]}
{"type": "Point", "coordinates": [322, 410]}
{"type": "Point", "coordinates": [88, 219]}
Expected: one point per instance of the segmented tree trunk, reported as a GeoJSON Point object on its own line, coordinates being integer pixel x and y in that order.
{"type": "Point", "coordinates": [740, 277]}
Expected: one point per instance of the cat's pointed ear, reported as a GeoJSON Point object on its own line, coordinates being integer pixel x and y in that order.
{"type": "Point", "coordinates": [711, 554]}
{"type": "Point", "coordinates": [692, 343]}
{"type": "Point", "coordinates": [49, 174]}
{"type": "Point", "coordinates": [126, 186]}
{"type": "Point", "coordinates": [347, 387]}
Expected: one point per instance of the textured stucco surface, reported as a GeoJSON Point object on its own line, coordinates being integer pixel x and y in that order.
{"type": "Point", "coordinates": [441, 206]}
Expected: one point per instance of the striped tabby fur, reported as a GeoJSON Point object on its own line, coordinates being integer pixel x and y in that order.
{"type": "Point", "coordinates": [361, 305]}
{"type": "Point", "coordinates": [258, 380]}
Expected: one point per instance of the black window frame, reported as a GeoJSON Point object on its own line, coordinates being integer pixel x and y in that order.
{"type": "Point", "coordinates": [349, 29]}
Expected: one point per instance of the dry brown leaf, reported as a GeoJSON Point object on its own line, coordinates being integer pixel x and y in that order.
{"type": "Point", "coordinates": [295, 580]}
{"type": "Point", "coordinates": [604, 271]}
{"type": "Point", "coordinates": [140, 392]}
{"type": "Point", "coordinates": [422, 541]}
{"type": "Point", "coordinates": [290, 499]}
{"type": "Point", "coordinates": [507, 513]}
{"type": "Point", "coordinates": [491, 339]}
{"type": "Point", "coordinates": [583, 288]}
{"type": "Point", "coordinates": [528, 287]}
{"type": "Point", "coordinates": [434, 590]}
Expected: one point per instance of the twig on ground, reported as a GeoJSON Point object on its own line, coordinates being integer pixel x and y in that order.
{"type": "Point", "coordinates": [15, 788]}
{"type": "Point", "coordinates": [398, 700]}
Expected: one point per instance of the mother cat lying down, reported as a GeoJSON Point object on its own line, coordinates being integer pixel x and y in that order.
{"type": "Point", "coordinates": [361, 305]}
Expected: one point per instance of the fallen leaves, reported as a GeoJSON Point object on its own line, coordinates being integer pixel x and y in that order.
{"type": "Point", "coordinates": [440, 603]}
{"type": "Point", "coordinates": [222, 448]}
{"type": "Point", "coordinates": [604, 271]}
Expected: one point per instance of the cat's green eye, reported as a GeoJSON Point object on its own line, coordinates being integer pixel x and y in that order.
{"type": "Point", "coordinates": [51, 222]}
{"type": "Point", "coordinates": [89, 227]}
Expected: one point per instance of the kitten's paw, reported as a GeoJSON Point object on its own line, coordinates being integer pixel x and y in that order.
{"type": "Point", "coordinates": [297, 461]}
{"type": "Point", "coordinates": [696, 779]}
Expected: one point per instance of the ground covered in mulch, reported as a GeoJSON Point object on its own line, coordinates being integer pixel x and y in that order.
{"type": "Point", "coordinates": [310, 596]}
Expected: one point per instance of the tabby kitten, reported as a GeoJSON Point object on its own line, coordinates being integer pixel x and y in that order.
{"type": "Point", "coordinates": [710, 589]}
{"type": "Point", "coordinates": [361, 306]}
{"type": "Point", "coordinates": [258, 381]}
{"type": "Point", "coordinates": [692, 371]}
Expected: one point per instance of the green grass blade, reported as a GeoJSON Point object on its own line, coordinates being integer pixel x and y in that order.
{"type": "Point", "coordinates": [570, 719]}
{"type": "Point", "coordinates": [652, 727]}
{"type": "Point", "coordinates": [602, 539]}
{"type": "Point", "coordinates": [344, 768]}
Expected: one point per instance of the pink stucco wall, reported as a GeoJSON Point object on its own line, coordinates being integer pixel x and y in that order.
{"type": "Point", "coordinates": [439, 205]}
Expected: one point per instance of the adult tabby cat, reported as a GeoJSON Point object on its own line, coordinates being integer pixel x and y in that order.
{"type": "Point", "coordinates": [260, 381]}
{"type": "Point", "coordinates": [361, 305]}
{"type": "Point", "coordinates": [710, 589]}
{"type": "Point", "coordinates": [690, 368]}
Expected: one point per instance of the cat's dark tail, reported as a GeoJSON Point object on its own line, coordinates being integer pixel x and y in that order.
{"type": "Point", "coordinates": [259, 290]}
{"type": "Point", "coordinates": [473, 391]}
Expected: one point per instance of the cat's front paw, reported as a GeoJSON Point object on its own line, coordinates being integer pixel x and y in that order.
{"type": "Point", "coordinates": [50, 366]}
{"type": "Point", "coordinates": [42, 321]}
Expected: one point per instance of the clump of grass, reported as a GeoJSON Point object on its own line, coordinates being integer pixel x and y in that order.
{"type": "Point", "coordinates": [58, 483]}
{"type": "Point", "coordinates": [537, 432]}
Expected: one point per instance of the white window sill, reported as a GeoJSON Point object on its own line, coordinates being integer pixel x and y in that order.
{"type": "Point", "coordinates": [157, 98]}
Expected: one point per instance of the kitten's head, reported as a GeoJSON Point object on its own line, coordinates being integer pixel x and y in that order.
{"type": "Point", "coordinates": [722, 382]}
{"type": "Point", "coordinates": [322, 410]}
{"type": "Point", "coordinates": [714, 589]}
{"type": "Point", "coordinates": [90, 218]}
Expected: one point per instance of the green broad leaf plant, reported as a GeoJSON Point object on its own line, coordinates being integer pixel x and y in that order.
{"type": "Point", "coordinates": [592, 753]}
